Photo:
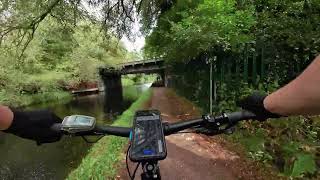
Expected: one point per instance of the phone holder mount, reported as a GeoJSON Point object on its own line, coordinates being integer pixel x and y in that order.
{"type": "Point", "coordinates": [150, 170]}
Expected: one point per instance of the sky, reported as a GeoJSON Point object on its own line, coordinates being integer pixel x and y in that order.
{"type": "Point", "coordinates": [139, 40]}
{"type": "Point", "coordinates": [137, 45]}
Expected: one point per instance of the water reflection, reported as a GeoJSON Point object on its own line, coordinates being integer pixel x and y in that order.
{"type": "Point", "coordinates": [23, 159]}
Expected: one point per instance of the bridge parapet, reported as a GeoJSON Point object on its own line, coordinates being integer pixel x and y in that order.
{"type": "Point", "coordinates": [142, 62]}
{"type": "Point", "coordinates": [135, 67]}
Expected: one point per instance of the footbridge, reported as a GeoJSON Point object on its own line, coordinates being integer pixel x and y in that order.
{"type": "Point", "coordinates": [112, 76]}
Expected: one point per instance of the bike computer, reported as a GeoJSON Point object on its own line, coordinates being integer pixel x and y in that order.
{"type": "Point", "coordinates": [148, 143]}
{"type": "Point", "coordinates": [78, 123]}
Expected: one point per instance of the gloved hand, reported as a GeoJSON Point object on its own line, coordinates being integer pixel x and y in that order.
{"type": "Point", "coordinates": [254, 104]}
{"type": "Point", "coordinates": [35, 125]}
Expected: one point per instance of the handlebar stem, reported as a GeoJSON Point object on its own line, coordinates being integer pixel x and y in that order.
{"type": "Point", "coordinates": [178, 126]}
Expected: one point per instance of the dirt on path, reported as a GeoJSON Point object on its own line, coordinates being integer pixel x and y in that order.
{"type": "Point", "coordinates": [192, 156]}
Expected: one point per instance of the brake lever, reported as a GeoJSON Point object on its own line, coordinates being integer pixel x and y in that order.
{"type": "Point", "coordinates": [213, 126]}
{"type": "Point", "coordinates": [230, 130]}
{"type": "Point", "coordinates": [206, 131]}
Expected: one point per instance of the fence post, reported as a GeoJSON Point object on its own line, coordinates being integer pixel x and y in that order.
{"type": "Point", "coordinates": [210, 61]}
{"type": "Point", "coordinates": [237, 63]}
{"type": "Point", "coordinates": [221, 70]}
{"type": "Point", "coordinates": [254, 69]}
{"type": "Point", "coordinates": [229, 66]}
{"type": "Point", "coordinates": [245, 68]}
{"type": "Point", "coordinates": [262, 60]}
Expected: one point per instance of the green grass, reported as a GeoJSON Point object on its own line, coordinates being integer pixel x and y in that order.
{"type": "Point", "coordinates": [104, 155]}
{"type": "Point", "coordinates": [131, 93]}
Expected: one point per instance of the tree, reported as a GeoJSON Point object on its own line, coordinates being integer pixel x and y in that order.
{"type": "Point", "coordinates": [193, 28]}
{"type": "Point", "coordinates": [20, 19]}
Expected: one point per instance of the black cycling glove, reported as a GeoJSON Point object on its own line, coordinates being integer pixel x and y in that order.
{"type": "Point", "coordinates": [254, 104]}
{"type": "Point", "coordinates": [35, 125]}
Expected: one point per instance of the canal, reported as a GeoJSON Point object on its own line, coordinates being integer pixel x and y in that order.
{"type": "Point", "coordinates": [23, 159]}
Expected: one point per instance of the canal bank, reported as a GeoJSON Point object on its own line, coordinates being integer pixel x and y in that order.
{"type": "Point", "coordinates": [101, 161]}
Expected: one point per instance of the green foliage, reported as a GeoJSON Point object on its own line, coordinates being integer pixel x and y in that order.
{"type": "Point", "coordinates": [105, 154]}
{"type": "Point", "coordinates": [127, 82]}
{"type": "Point", "coordinates": [211, 24]}
{"type": "Point", "coordinates": [58, 57]}
{"type": "Point", "coordinates": [130, 79]}
{"type": "Point", "coordinates": [287, 31]}
{"type": "Point", "coordinates": [254, 46]}
{"type": "Point", "coordinates": [91, 51]}
{"type": "Point", "coordinates": [56, 43]}
{"type": "Point", "coordinates": [12, 99]}
{"type": "Point", "coordinates": [282, 37]}
{"type": "Point", "coordinates": [304, 164]}
{"type": "Point", "coordinates": [274, 142]}
{"type": "Point", "coordinates": [278, 142]}
{"type": "Point", "coordinates": [285, 145]}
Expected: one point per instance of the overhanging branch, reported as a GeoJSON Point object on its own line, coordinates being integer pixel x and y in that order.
{"type": "Point", "coordinates": [28, 28]}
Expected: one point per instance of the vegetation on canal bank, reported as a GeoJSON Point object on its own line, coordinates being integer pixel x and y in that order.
{"type": "Point", "coordinates": [59, 51]}
{"type": "Point", "coordinates": [108, 151]}
{"type": "Point", "coordinates": [253, 46]}
{"type": "Point", "coordinates": [24, 89]}
{"type": "Point", "coordinates": [58, 58]}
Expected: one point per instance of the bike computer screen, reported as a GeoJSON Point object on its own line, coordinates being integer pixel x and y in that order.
{"type": "Point", "coordinates": [78, 123]}
{"type": "Point", "coordinates": [148, 141]}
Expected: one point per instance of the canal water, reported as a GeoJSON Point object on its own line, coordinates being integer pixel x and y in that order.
{"type": "Point", "coordinates": [23, 159]}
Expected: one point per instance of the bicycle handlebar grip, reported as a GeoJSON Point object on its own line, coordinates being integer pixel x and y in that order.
{"type": "Point", "coordinates": [240, 116]}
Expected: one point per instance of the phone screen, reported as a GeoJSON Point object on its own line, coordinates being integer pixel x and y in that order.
{"type": "Point", "coordinates": [148, 139]}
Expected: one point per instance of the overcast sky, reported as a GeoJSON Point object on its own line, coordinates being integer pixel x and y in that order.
{"type": "Point", "coordinates": [139, 40]}
{"type": "Point", "coordinates": [137, 45]}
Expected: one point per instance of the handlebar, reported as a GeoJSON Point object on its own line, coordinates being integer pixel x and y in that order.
{"type": "Point", "coordinates": [98, 130]}
{"type": "Point", "coordinates": [228, 119]}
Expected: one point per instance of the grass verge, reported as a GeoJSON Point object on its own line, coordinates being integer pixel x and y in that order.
{"type": "Point", "coordinates": [131, 93]}
{"type": "Point", "coordinates": [102, 157]}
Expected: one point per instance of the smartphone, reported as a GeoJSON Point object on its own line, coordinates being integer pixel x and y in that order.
{"type": "Point", "coordinates": [148, 142]}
